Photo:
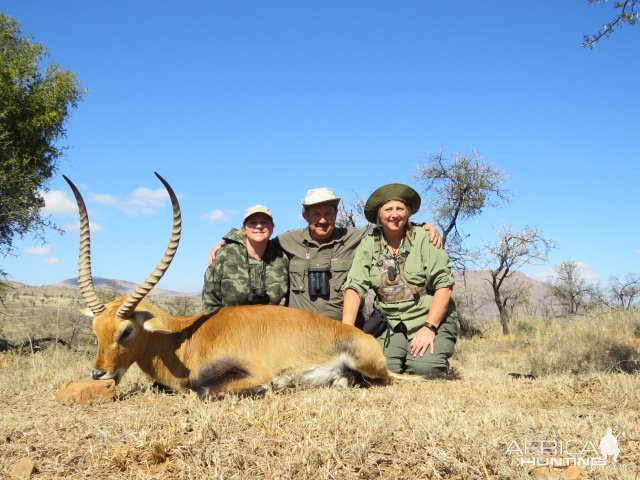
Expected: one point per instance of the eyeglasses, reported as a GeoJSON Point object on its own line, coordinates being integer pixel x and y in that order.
{"type": "Point", "coordinates": [255, 223]}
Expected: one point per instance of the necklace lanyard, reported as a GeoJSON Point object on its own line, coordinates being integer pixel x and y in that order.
{"type": "Point", "coordinates": [398, 257]}
{"type": "Point", "coordinates": [263, 273]}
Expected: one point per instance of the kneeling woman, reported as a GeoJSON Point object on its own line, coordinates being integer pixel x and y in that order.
{"type": "Point", "coordinates": [413, 284]}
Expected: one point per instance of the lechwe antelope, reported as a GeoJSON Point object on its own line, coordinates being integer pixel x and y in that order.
{"type": "Point", "coordinates": [243, 349]}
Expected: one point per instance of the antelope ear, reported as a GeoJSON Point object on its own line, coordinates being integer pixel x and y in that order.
{"type": "Point", "coordinates": [151, 323]}
{"type": "Point", "coordinates": [87, 312]}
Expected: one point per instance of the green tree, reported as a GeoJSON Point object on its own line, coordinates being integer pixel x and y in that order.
{"type": "Point", "coordinates": [34, 104]}
{"type": "Point", "coordinates": [626, 12]}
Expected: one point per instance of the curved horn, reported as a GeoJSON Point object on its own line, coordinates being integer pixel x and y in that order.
{"type": "Point", "coordinates": [154, 277]}
{"type": "Point", "coordinates": [85, 280]}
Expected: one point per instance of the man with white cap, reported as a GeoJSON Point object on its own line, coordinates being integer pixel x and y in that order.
{"type": "Point", "coordinates": [321, 254]}
{"type": "Point", "coordinates": [250, 269]}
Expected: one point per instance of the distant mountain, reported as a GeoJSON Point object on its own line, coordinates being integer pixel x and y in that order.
{"type": "Point", "coordinates": [473, 293]}
{"type": "Point", "coordinates": [124, 286]}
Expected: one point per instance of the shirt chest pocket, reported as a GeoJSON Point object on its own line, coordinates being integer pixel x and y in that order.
{"type": "Point", "coordinates": [414, 271]}
{"type": "Point", "coordinates": [339, 271]}
{"type": "Point", "coordinates": [297, 274]}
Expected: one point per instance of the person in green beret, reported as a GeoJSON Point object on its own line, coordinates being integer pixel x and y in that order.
{"type": "Point", "coordinates": [413, 284]}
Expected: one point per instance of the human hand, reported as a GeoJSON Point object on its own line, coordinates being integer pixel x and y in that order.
{"type": "Point", "coordinates": [436, 239]}
{"type": "Point", "coordinates": [423, 341]}
{"type": "Point", "coordinates": [214, 251]}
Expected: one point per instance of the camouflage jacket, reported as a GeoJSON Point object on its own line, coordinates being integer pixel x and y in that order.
{"type": "Point", "coordinates": [234, 275]}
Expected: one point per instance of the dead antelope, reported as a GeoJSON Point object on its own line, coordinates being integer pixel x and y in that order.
{"type": "Point", "coordinates": [243, 349]}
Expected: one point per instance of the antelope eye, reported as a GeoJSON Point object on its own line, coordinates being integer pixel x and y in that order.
{"type": "Point", "coordinates": [126, 333]}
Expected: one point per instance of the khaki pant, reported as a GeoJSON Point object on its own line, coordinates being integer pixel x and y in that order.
{"type": "Point", "coordinates": [397, 349]}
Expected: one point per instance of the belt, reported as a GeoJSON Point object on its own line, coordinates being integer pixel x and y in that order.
{"type": "Point", "coordinates": [401, 293]}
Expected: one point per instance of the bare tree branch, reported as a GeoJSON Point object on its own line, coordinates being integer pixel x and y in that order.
{"type": "Point", "coordinates": [625, 292]}
{"type": "Point", "coordinates": [459, 188]}
{"type": "Point", "coordinates": [512, 251]}
{"type": "Point", "coordinates": [626, 13]}
{"type": "Point", "coordinates": [570, 288]}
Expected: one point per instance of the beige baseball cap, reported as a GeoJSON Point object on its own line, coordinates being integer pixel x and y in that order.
{"type": "Point", "coordinates": [320, 195]}
{"type": "Point", "coordinates": [257, 209]}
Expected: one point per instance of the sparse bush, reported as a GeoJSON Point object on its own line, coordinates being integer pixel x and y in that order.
{"type": "Point", "coordinates": [108, 292]}
{"type": "Point", "coordinates": [588, 345]}
{"type": "Point", "coordinates": [467, 307]}
{"type": "Point", "coordinates": [182, 305]}
{"type": "Point", "coordinates": [635, 326]}
{"type": "Point", "coordinates": [524, 327]}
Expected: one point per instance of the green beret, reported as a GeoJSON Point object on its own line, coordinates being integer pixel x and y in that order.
{"type": "Point", "coordinates": [386, 193]}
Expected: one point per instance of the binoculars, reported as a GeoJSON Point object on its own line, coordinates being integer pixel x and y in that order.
{"type": "Point", "coordinates": [318, 281]}
{"type": "Point", "coordinates": [258, 297]}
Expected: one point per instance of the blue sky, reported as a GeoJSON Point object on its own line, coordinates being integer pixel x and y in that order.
{"type": "Point", "coordinates": [245, 102]}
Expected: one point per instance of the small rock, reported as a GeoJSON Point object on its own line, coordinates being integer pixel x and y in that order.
{"type": "Point", "coordinates": [86, 392]}
{"type": "Point", "coordinates": [571, 472]}
{"type": "Point", "coordinates": [574, 472]}
{"type": "Point", "coordinates": [22, 469]}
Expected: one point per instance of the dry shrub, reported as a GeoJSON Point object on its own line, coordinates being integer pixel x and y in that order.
{"type": "Point", "coordinates": [602, 343]}
{"type": "Point", "coordinates": [607, 342]}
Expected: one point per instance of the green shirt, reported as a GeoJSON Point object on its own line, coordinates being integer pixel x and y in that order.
{"type": "Point", "coordinates": [424, 265]}
{"type": "Point", "coordinates": [230, 279]}
{"type": "Point", "coordinates": [337, 254]}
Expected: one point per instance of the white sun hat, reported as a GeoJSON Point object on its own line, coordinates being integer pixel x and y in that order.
{"type": "Point", "coordinates": [320, 195]}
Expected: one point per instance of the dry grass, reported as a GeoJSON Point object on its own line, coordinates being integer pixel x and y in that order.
{"type": "Point", "coordinates": [437, 429]}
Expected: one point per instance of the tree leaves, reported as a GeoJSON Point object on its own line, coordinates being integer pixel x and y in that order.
{"type": "Point", "coordinates": [34, 105]}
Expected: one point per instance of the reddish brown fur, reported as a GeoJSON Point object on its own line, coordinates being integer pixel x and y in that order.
{"type": "Point", "coordinates": [239, 349]}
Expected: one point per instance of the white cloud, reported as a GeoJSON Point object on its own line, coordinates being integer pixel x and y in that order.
{"type": "Point", "coordinates": [57, 202]}
{"type": "Point", "coordinates": [217, 215]}
{"type": "Point", "coordinates": [588, 273]}
{"type": "Point", "coordinates": [145, 201]}
{"type": "Point", "coordinates": [52, 261]}
{"type": "Point", "coordinates": [104, 198]}
{"type": "Point", "coordinates": [41, 250]}
{"type": "Point", "coordinates": [543, 275]}
{"type": "Point", "coordinates": [75, 227]}
{"type": "Point", "coordinates": [145, 197]}
{"type": "Point", "coordinates": [142, 201]}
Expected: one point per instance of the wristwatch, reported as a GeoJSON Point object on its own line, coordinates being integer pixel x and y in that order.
{"type": "Point", "coordinates": [431, 327]}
